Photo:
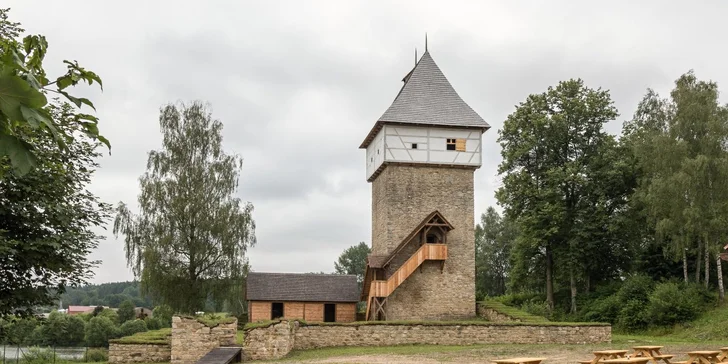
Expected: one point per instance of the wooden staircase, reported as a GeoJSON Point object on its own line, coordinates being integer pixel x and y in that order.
{"type": "Point", "coordinates": [383, 288]}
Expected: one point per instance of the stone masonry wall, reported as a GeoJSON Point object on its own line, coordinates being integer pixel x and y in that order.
{"type": "Point", "coordinates": [272, 342]}
{"type": "Point", "coordinates": [402, 196]}
{"type": "Point", "coordinates": [139, 353]}
{"type": "Point", "coordinates": [191, 339]}
{"type": "Point", "coordinates": [276, 341]}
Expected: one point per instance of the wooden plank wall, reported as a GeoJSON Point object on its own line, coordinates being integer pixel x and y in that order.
{"type": "Point", "coordinates": [259, 311]}
{"type": "Point", "coordinates": [309, 311]}
{"type": "Point", "coordinates": [345, 312]}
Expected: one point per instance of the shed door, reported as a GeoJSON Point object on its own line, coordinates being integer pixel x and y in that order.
{"type": "Point", "coordinates": [276, 310]}
{"type": "Point", "coordinates": [329, 312]}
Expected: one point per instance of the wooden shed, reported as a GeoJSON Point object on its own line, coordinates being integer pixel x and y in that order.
{"type": "Point", "coordinates": [311, 297]}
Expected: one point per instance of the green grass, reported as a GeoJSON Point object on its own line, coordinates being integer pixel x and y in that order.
{"type": "Point", "coordinates": [240, 337]}
{"type": "Point", "coordinates": [512, 311]}
{"type": "Point", "coordinates": [212, 319]}
{"type": "Point", "coordinates": [160, 336]}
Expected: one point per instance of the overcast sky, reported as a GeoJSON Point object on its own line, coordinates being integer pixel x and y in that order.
{"type": "Point", "coordinates": [299, 84]}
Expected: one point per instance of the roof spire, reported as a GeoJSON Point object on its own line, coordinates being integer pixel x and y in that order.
{"type": "Point", "coordinates": [425, 42]}
{"type": "Point", "coordinates": [415, 56]}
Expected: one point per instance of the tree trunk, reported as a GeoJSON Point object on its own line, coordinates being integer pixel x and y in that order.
{"type": "Point", "coordinates": [697, 264]}
{"type": "Point", "coordinates": [721, 290]}
{"type": "Point", "coordinates": [573, 290]}
{"type": "Point", "coordinates": [549, 280]}
{"type": "Point", "coordinates": [707, 264]}
{"type": "Point", "coordinates": [685, 265]}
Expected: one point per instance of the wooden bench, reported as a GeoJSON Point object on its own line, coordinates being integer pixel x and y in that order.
{"type": "Point", "coordinates": [519, 361]}
{"type": "Point", "coordinates": [642, 360]}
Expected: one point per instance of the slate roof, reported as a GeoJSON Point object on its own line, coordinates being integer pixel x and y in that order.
{"type": "Point", "coordinates": [302, 287]}
{"type": "Point", "coordinates": [428, 98]}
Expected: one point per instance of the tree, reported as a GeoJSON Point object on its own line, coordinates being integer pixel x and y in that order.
{"type": "Point", "coordinates": [548, 144]}
{"type": "Point", "coordinates": [353, 261]}
{"type": "Point", "coordinates": [99, 331]}
{"type": "Point", "coordinates": [163, 313]}
{"type": "Point", "coordinates": [680, 144]}
{"type": "Point", "coordinates": [126, 311]}
{"type": "Point", "coordinates": [63, 330]}
{"type": "Point", "coordinates": [23, 107]}
{"type": "Point", "coordinates": [47, 219]}
{"type": "Point", "coordinates": [191, 234]}
{"type": "Point", "coordinates": [132, 327]}
{"type": "Point", "coordinates": [494, 237]}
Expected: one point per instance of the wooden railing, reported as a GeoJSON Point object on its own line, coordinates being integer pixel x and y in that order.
{"type": "Point", "coordinates": [384, 288]}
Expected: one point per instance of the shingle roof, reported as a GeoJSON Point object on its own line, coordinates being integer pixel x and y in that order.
{"type": "Point", "coordinates": [428, 98]}
{"type": "Point", "coordinates": [308, 287]}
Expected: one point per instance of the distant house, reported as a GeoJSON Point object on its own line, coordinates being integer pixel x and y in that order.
{"type": "Point", "coordinates": [142, 312]}
{"type": "Point", "coordinates": [311, 297]}
{"type": "Point", "coordinates": [75, 310]}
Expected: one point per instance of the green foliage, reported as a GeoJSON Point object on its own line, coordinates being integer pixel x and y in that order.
{"type": "Point", "coordinates": [161, 336]}
{"type": "Point", "coordinates": [153, 323]}
{"type": "Point", "coordinates": [109, 314]}
{"type": "Point", "coordinates": [353, 261]}
{"type": "Point", "coordinates": [107, 294]}
{"type": "Point", "coordinates": [672, 303]}
{"type": "Point", "coordinates": [132, 327]}
{"type": "Point", "coordinates": [47, 220]}
{"type": "Point", "coordinates": [163, 313]}
{"type": "Point", "coordinates": [19, 331]}
{"type": "Point", "coordinates": [99, 331]}
{"type": "Point", "coordinates": [213, 319]}
{"type": "Point", "coordinates": [494, 237]}
{"type": "Point", "coordinates": [190, 238]}
{"type": "Point", "coordinates": [96, 355]}
{"type": "Point", "coordinates": [512, 311]}
{"type": "Point", "coordinates": [126, 311]}
{"type": "Point", "coordinates": [62, 330]}
{"type": "Point", "coordinates": [37, 355]}
{"type": "Point", "coordinates": [23, 112]}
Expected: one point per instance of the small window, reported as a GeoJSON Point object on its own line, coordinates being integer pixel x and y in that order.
{"type": "Point", "coordinates": [414, 145]}
{"type": "Point", "coordinates": [456, 144]}
{"type": "Point", "coordinates": [276, 310]}
{"type": "Point", "coordinates": [451, 144]}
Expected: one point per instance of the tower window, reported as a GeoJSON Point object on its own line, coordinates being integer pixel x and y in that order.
{"type": "Point", "coordinates": [414, 145]}
{"type": "Point", "coordinates": [456, 144]}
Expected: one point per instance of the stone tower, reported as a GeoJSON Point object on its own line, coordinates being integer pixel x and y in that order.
{"type": "Point", "coordinates": [421, 155]}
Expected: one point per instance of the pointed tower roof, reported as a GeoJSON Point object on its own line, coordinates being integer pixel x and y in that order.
{"type": "Point", "coordinates": [427, 98]}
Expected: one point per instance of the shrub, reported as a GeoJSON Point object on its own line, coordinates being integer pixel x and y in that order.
{"type": "Point", "coordinates": [670, 303]}
{"type": "Point", "coordinates": [163, 313]}
{"type": "Point", "coordinates": [37, 355]}
{"type": "Point", "coordinates": [99, 330]}
{"type": "Point", "coordinates": [153, 323]}
{"type": "Point", "coordinates": [602, 310]}
{"type": "Point", "coordinates": [132, 327]}
{"type": "Point", "coordinates": [126, 311]}
{"type": "Point", "coordinates": [110, 314]}
{"type": "Point", "coordinates": [635, 288]}
{"type": "Point", "coordinates": [633, 316]}
{"type": "Point", "coordinates": [536, 307]}
{"type": "Point", "coordinates": [96, 355]}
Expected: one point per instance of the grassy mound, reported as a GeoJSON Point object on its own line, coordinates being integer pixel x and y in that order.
{"type": "Point", "coordinates": [512, 312]}
{"type": "Point", "coordinates": [160, 336]}
{"type": "Point", "coordinates": [711, 325]}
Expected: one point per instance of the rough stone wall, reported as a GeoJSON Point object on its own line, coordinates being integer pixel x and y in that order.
{"type": "Point", "coordinates": [272, 342]}
{"type": "Point", "coordinates": [191, 339]}
{"type": "Point", "coordinates": [139, 353]}
{"type": "Point", "coordinates": [275, 341]}
{"type": "Point", "coordinates": [402, 196]}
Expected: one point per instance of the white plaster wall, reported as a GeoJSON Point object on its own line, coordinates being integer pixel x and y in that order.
{"type": "Point", "coordinates": [375, 153]}
{"type": "Point", "coordinates": [431, 145]}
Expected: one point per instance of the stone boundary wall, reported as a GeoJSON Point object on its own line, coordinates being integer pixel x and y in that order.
{"type": "Point", "coordinates": [139, 353]}
{"type": "Point", "coordinates": [277, 340]}
{"type": "Point", "coordinates": [191, 339]}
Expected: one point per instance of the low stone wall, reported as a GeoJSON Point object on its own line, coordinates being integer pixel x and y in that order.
{"type": "Point", "coordinates": [275, 341]}
{"type": "Point", "coordinates": [192, 339]}
{"type": "Point", "coordinates": [139, 353]}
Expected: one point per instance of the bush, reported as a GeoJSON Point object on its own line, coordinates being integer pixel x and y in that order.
{"type": "Point", "coordinates": [109, 314]}
{"type": "Point", "coordinates": [163, 313]}
{"type": "Point", "coordinates": [602, 310]}
{"type": "Point", "coordinates": [99, 330]}
{"type": "Point", "coordinates": [96, 355]}
{"type": "Point", "coordinates": [132, 327]}
{"type": "Point", "coordinates": [671, 303]}
{"type": "Point", "coordinates": [153, 323]}
{"type": "Point", "coordinates": [36, 355]}
{"type": "Point", "coordinates": [633, 316]}
{"type": "Point", "coordinates": [126, 311]}
{"type": "Point", "coordinates": [635, 288]}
